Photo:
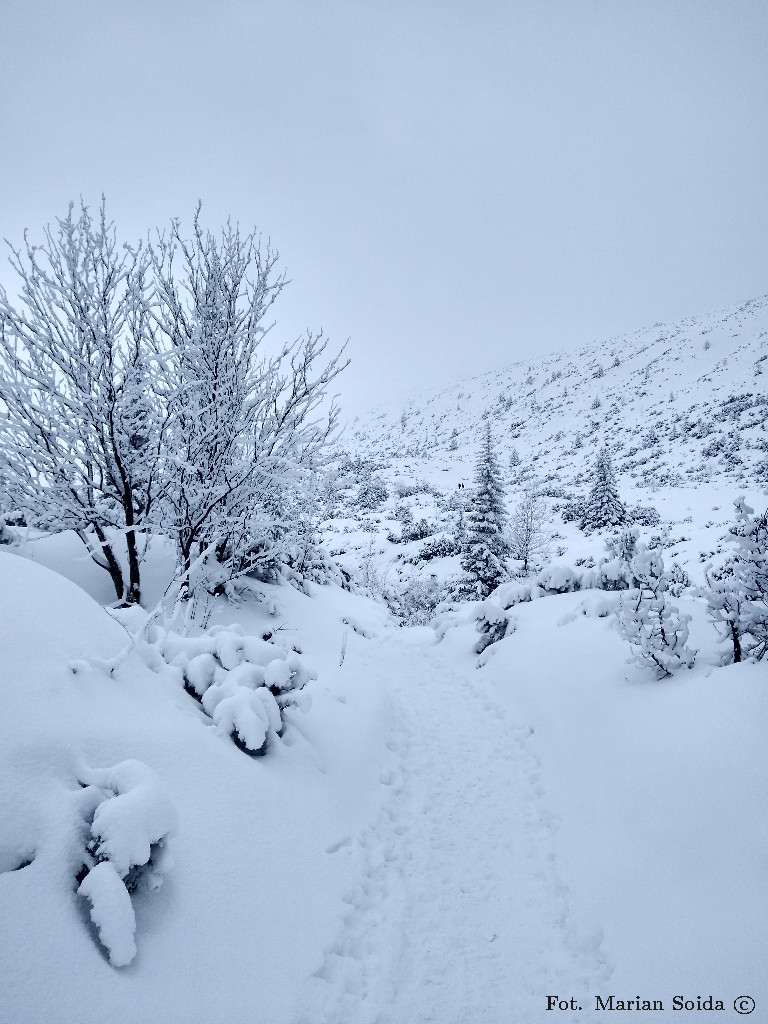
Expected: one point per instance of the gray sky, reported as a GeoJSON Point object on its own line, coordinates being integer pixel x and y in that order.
{"type": "Point", "coordinates": [453, 185]}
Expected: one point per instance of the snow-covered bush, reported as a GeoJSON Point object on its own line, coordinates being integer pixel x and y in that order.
{"type": "Point", "coordinates": [623, 544]}
{"type": "Point", "coordinates": [8, 536]}
{"type": "Point", "coordinates": [493, 624]}
{"type": "Point", "coordinates": [133, 818]}
{"type": "Point", "coordinates": [678, 579]}
{"type": "Point", "coordinates": [415, 601]}
{"type": "Point", "coordinates": [439, 547]}
{"type": "Point", "coordinates": [242, 682]}
{"type": "Point", "coordinates": [573, 511]}
{"type": "Point", "coordinates": [419, 530]}
{"type": "Point", "coordinates": [557, 579]}
{"type": "Point", "coordinates": [372, 493]}
{"type": "Point", "coordinates": [643, 515]}
{"type": "Point", "coordinates": [510, 594]}
{"type": "Point", "coordinates": [307, 561]}
{"type": "Point", "coordinates": [738, 600]}
{"type": "Point", "coordinates": [656, 631]}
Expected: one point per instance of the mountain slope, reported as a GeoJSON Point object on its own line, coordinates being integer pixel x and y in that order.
{"type": "Point", "coordinates": [676, 403]}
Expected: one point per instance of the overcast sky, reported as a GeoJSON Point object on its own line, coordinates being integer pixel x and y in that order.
{"type": "Point", "coordinates": [452, 185]}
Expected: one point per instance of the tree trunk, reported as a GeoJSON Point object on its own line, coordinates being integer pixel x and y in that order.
{"type": "Point", "coordinates": [134, 569]}
{"type": "Point", "coordinates": [736, 639]}
{"type": "Point", "coordinates": [112, 565]}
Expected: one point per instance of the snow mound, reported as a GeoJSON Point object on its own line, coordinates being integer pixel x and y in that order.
{"type": "Point", "coordinates": [111, 912]}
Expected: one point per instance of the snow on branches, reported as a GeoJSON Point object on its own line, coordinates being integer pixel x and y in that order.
{"type": "Point", "coordinates": [603, 507]}
{"type": "Point", "coordinates": [649, 622]}
{"type": "Point", "coordinates": [486, 545]}
{"type": "Point", "coordinates": [738, 600]}
{"type": "Point", "coordinates": [81, 430]}
{"type": "Point", "coordinates": [139, 397]}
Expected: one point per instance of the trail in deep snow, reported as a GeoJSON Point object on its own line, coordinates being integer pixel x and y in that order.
{"type": "Point", "coordinates": [459, 915]}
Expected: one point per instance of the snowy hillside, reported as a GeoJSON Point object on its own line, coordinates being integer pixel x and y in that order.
{"type": "Point", "coordinates": [676, 403]}
{"type": "Point", "coordinates": [320, 793]}
{"type": "Point", "coordinates": [682, 409]}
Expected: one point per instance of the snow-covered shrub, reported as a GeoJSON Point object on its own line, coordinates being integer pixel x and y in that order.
{"type": "Point", "coordinates": [738, 598]}
{"type": "Point", "coordinates": [127, 850]}
{"type": "Point", "coordinates": [610, 574]}
{"type": "Point", "coordinates": [404, 514]}
{"type": "Point", "coordinates": [678, 579]}
{"type": "Point", "coordinates": [407, 488]}
{"type": "Point", "coordinates": [439, 547]}
{"type": "Point", "coordinates": [8, 536]}
{"type": "Point", "coordinates": [242, 682]}
{"type": "Point", "coordinates": [558, 579]}
{"type": "Point", "coordinates": [573, 511]}
{"type": "Point", "coordinates": [510, 594]}
{"type": "Point", "coordinates": [493, 624]}
{"type": "Point", "coordinates": [415, 601]}
{"type": "Point", "coordinates": [623, 544]}
{"type": "Point", "coordinates": [306, 561]}
{"type": "Point", "coordinates": [656, 631]}
{"type": "Point", "coordinates": [372, 493]}
{"type": "Point", "coordinates": [419, 530]}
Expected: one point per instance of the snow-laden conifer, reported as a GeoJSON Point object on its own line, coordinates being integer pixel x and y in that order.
{"type": "Point", "coordinates": [738, 600]}
{"type": "Point", "coordinates": [485, 546]}
{"type": "Point", "coordinates": [649, 622]}
{"type": "Point", "coordinates": [603, 507]}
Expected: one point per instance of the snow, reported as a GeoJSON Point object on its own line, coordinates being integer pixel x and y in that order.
{"type": "Point", "coordinates": [111, 912]}
{"type": "Point", "coordinates": [435, 832]}
{"type": "Point", "coordinates": [139, 815]}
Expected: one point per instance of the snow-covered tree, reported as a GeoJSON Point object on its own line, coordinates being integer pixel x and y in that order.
{"type": "Point", "coordinates": [649, 622]}
{"type": "Point", "coordinates": [603, 507]}
{"type": "Point", "coordinates": [529, 539]}
{"type": "Point", "coordinates": [82, 424]}
{"type": "Point", "coordinates": [486, 547]}
{"type": "Point", "coordinates": [738, 601]}
{"type": "Point", "coordinates": [245, 426]}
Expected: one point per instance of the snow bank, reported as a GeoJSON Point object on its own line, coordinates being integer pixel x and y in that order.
{"type": "Point", "coordinates": [252, 890]}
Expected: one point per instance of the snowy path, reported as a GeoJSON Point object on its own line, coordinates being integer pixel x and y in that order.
{"type": "Point", "coordinates": [459, 915]}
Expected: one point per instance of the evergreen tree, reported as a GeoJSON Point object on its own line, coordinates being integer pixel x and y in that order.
{"type": "Point", "coordinates": [752, 568]}
{"type": "Point", "coordinates": [486, 545]}
{"type": "Point", "coordinates": [603, 507]}
{"type": "Point", "coordinates": [738, 602]}
{"type": "Point", "coordinates": [649, 622]}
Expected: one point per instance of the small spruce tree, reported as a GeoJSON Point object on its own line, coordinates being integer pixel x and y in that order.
{"type": "Point", "coordinates": [738, 601]}
{"type": "Point", "coordinates": [485, 546]}
{"type": "Point", "coordinates": [603, 507]}
{"type": "Point", "coordinates": [648, 621]}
